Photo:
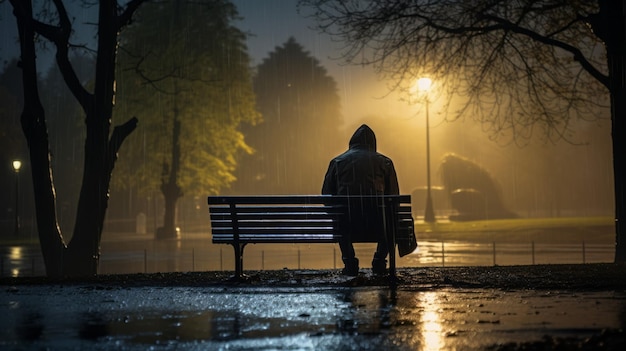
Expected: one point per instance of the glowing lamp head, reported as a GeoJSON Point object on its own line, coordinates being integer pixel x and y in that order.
{"type": "Point", "coordinates": [17, 164]}
{"type": "Point", "coordinates": [423, 84]}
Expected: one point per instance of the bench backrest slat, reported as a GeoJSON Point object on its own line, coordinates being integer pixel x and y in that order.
{"type": "Point", "coordinates": [291, 218]}
{"type": "Point", "coordinates": [299, 199]}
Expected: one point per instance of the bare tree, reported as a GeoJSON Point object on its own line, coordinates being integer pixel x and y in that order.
{"type": "Point", "coordinates": [80, 256]}
{"type": "Point", "coordinates": [518, 67]}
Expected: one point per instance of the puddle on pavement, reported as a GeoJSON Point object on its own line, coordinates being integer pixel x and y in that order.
{"type": "Point", "coordinates": [290, 318]}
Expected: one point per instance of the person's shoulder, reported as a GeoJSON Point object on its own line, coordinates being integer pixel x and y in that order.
{"type": "Point", "coordinates": [383, 156]}
{"type": "Point", "coordinates": [345, 154]}
{"type": "Point", "coordinates": [385, 159]}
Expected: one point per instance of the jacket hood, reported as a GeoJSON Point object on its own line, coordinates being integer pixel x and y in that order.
{"type": "Point", "coordinates": [363, 138]}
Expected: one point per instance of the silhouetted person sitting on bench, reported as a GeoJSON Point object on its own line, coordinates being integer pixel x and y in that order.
{"type": "Point", "coordinates": [362, 171]}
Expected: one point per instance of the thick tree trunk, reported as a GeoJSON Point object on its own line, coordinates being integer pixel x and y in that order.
{"type": "Point", "coordinates": [80, 257]}
{"type": "Point", "coordinates": [613, 13]}
{"type": "Point", "coordinates": [84, 248]}
{"type": "Point", "coordinates": [619, 160]}
{"type": "Point", "coordinates": [618, 111]}
{"type": "Point", "coordinates": [34, 126]}
{"type": "Point", "coordinates": [171, 194]}
{"type": "Point", "coordinates": [170, 189]}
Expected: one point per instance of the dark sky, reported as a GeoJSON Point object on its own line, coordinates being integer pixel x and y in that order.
{"type": "Point", "coordinates": [271, 23]}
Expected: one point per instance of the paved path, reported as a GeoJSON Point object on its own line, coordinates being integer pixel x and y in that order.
{"type": "Point", "coordinates": [247, 317]}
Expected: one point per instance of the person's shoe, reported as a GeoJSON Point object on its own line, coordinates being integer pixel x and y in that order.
{"type": "Point", "coordinates": [350, 271]}
{"type": "Point", "coordinates": [379, 266]}
{"type": "Point", "coordinates": [351, 267]}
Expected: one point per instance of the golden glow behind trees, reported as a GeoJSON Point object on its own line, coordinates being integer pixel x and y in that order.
{"type": "Point", "coordinates": [518, 67]}
{"type": "Point", "coordinates": [522, 67]}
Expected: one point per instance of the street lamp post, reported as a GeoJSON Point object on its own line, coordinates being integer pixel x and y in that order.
{"type": "Point", "coordinates": [423, 84]}
{"type": "Point", "coordinates": [17, 164]}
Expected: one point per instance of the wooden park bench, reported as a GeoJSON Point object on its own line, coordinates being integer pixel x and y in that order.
{"type": "Point", "coordinates": [300, 219]}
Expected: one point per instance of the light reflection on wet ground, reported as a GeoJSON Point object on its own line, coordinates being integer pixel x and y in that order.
{"type": "Point", "coordinates": [253, 318]}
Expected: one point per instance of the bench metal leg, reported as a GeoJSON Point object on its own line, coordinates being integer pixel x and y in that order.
{"type": "Point", "coordinates": [392, 262]}
{"type": "Point", "coordinates": [392, 256]}
{"type": "Point", "coordinates": [390, 225]}
{"type": "Point", "coordinates": [238, 260]}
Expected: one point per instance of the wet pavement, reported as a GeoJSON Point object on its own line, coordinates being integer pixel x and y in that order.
{"type": "Point", "coordinates": [452, 295]}
{"type": "Point", "coordinates": [297, 317]}
{"type": "Point", "coordinates": [198, 254]}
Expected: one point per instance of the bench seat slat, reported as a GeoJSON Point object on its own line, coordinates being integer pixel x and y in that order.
{"type": "Point", "coordinates": [281, 240]}
{"type": "Point", "coordinates": [269, 216]}
{"type": "Point", "coordinates": [275, 230]}
{"type": "Point", "coordinates": [301, 238]}
{"type": "Point", "coordinates": [260, 232]}
{"type": "Point", "coordinates": [276, 209]}
{"type": "Point", "coordinates": [250, 227]}
{"type": "Point", "coordinates": [289, 225]}
{"type": "Point", "coordinates": [257, 212]}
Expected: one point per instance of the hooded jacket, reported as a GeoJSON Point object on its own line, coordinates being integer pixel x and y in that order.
{"type": "Point", "coordinates": [361, 170]}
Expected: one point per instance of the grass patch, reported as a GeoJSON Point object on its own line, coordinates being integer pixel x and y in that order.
{"type": "Point", "coordinates": [561, 229]}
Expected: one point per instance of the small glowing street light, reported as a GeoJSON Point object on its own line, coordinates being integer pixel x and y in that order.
{"type": "Point", "coordinates": [423, 85]}
{"type": "Point", "coordinates": [17, 164]}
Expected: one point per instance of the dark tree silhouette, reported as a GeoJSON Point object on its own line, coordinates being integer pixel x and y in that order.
{"type": "Point", "coordinates": [80, 256]}
{"type": "Point", "coordinates": [473, 192]}
{"type": "Point", "coordinates": [11, 140]}
{"type": "Point", "coordinates": [13, 147]}
{"type": "Point", "coordinates": [300, 129]}
{"type": "Point", "coordinates": [517, 66]}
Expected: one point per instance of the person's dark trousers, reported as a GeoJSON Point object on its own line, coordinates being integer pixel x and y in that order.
{"type": "Point", "coordinates": [379, 263]}
{"type": "Point", "coordinates": [351, 263]}
{"type": "Point", "coordinates": [348, 256]}
{"type": "Point", "coordinates": [385, 241]}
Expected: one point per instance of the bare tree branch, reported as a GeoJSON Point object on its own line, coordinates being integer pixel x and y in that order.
{"type": "Point", "coordinates": [503, 58]}
{"type": "Point", "coordinates": [60, 35]}
{"type": "Point", "coordinates": [578, 55]}
{"type": "Point", "coordinates": [126, 16]}
{"type": "Point", "coordinates": [120, 133]}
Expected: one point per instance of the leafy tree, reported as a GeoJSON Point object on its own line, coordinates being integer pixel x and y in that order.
{"type": "Point", "coordinates": [300, 129]}
{"type": "Point", "coordinates": [185, 72]}
{"type": "Point", "coordinates": [516, 66]}
{"type": "Point", "coordinates": [79, 256]}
